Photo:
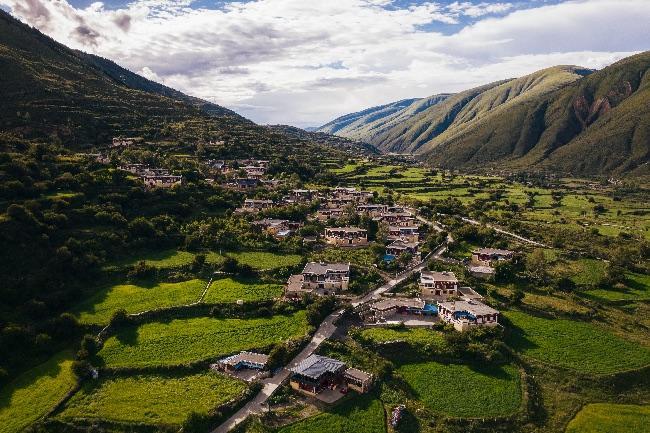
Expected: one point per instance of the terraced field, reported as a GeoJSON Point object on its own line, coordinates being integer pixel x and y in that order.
{"type": "Point", "coordinates": [459, 390]}
{"type": "Point", "coordinates": [184, 341]}
{"type": "Point", "coordinates": [364, 414]}
{"type": "Point", "coordinates": [611, 418]}
{"type": "Point", "coordinates": [637, 288]}
{"type": "Point", "coordinates": [573, 344]}
{"type": "Point", "coordinates": [135, 298]}
{"type": "Point", "coordinates": [230, 290]}
{"type": "Point", "coordinates": [34, 393]}
{"type": "Point", "coordinates": [152, 399]}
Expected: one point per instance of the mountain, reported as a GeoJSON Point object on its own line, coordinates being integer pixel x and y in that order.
{"type": "Point", "coordinates": [333, 141]}
{"type": "Point", "coordinates": [368, 124]}
{"type": "Point", "coordinates": [54, 93]}
{"type": "Point", "coordinates": [566, 119]}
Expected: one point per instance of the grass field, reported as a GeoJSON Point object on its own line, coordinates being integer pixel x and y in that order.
{"type": "Point", "coordinates": [230, 290]}
{"type": "Point", "coordinates": [136, 298]}
{"type": "Point", "coordinates": [572, 344]}
{"type": "Point", "coordinates": [637, 288]}
{"type": "Point", "coordinates": [611, 418]}
{"type": "Point", "coordinates": [363, 414]}
{"type": "Point", "coordinates": [266, 260]}
{"type": "Point", "coordinates": [183, 341]}
{"type": "Point", "coordinates": [462, 391]}
{"type": "Point", "coordinates": [414, 336]}
{"type": "Point", "coordinates": [152, 399]}
{"type": "Point", "coordinates": [34, 393]}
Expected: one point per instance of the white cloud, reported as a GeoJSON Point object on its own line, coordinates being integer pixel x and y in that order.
{"type": "Point", "coordinates": [304, 62]}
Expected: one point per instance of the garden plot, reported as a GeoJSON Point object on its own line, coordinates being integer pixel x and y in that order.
{"type": "Point", "coordinates": [609, 418]}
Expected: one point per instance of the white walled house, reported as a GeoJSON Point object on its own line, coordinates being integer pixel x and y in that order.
{"type": "Point", "coordinates": [467, 314]}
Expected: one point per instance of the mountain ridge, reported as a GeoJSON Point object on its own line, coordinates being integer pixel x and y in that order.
{"type": "Point", "coordinates": [547, 120]}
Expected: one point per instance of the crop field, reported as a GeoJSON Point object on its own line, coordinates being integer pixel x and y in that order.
{"type": "Point", "coordinates": [184, 341]}
{"type": "Point", "coordinates": [413, 336]}
{"type": "Point", "coordinates": [363, 414]}
{"type": "Point", "coordinates": [152, 399]}
{"type": "Point", "coordinates": [609, 418]}
{"type": "Point", "coordinates": [230, 290]}
{"type": "Point", "coordinates": [34, 393]}
{"type": "Point", "coordinates": [266, 260]}
{"type": "Point", "coordinates": [577, 345]}
{"type": "Point", "coordinates": [161, 259]}
{"type": "Point", "coordinates": [135, 298]}
{"type": "Point", "coordinates": [458, 390]}
{"type": "Point", "coordinates": [636, 288]}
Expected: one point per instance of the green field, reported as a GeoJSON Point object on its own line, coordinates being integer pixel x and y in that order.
{"type": "Point", "coordinates": [34, 393]}
{"type": "Point", "coordinates": [135, 298]}
{"type": "Point", "coordinates": [572, 344]}
{"type": "Point", "coordinates": [266, 260]}
{"type": "Point", "coordinates": [637, 288]}
{"type": "Point", "coordinates": [230, 290]}
{"type": "Point", "coordinates": [160, 259]}
{"type": "Point", "coordinates": [463, 391]}
{"type": "Point", "coordinates": [152, 399]}
{"type": "Point", "coordinates": [183, 341]}
{"type": "Point", "coordinates": [611, 418]}
{"type": "Point", "coordinates": [358, 256]}
{"type": "Point", "coordinates": [363, 414]}
{"type": "Point", "coordinates": [414, 336]}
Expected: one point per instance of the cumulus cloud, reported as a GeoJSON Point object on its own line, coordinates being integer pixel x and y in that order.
{"type": "Point", "coordinates": [304, 62]}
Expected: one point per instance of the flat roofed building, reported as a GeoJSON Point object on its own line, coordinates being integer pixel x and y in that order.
{"type": "Point", "coordinates": [358, 380]}
{"type": "Point", "coordinates": [399, 247]}
{"type": "Point", "coordinates": [346, 236]}
{"type": "Point", "coordinates": [372, 210]}
{"type": "Point", "coordinates": [467, 314]}
{"type": "Point", "coordinates": [409, 233]}
{"type": "Point", "coordinates": [438, 285]}
{"type": "Point", "coordinates": [319, 278]}
{"type": "Point", "coordinates": [244, 360]}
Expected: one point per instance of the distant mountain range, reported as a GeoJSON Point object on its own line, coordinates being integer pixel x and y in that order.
{"type": "Point", "coordinates": [565, 119]}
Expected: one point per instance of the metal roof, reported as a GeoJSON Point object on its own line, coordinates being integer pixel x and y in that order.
{"type": "Point", "coordinates": [315, 366]}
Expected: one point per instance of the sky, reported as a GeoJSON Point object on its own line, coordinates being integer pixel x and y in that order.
{"type": "Point", "coordinates": [305, 62]}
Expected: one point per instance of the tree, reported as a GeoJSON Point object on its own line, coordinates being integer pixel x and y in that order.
{"type": "Point", "coordinates": [516, 297]}
{"type": "Point", "coordinates": [537, 265]}
{"type": "Point", "coordinates": [565, 285]}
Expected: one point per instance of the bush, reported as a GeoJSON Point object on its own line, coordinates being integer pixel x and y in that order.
{"type": "Point", "coordinates": [197, 423]}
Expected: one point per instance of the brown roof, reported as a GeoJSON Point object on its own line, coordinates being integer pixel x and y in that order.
{"type": "Point", "coordinates": [358, 374]}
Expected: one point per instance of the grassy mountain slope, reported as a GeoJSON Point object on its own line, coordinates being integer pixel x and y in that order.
{"type": "Point", "coordinates": [594, 125]}
{"type": "Point", "coordinates": [368, 124]}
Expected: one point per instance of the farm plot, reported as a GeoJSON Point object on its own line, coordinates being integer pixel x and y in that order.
{"type": "Point", "coordinates": [266, 260]}
{"type": "Point", "coordinates": [364, 414]}
{"type": "Point", "coordinates": [151, 399]}
{"type": "Point", "coordinates": [230, 290]}
{"type": "Point", "coordinates": [608, 418]}
{"type": "Point", "coordinates": [576, 345]}
{"type": "Point", "coordinates": [34, 393]}
{"type": "Point", "coordinates": [358, 256]}
{"type": "Point", "coordinates": [135, 298]}
{"type": "Point", "coordinates": [183, 341]}
{"type": "Point", "coordinates": [413, 336]}
{"type": "Point", "coordinates": [464, 391]}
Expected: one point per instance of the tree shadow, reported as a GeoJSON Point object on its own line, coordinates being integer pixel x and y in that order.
{"type": "Point", "coordinates": [50, 368]}
{"type": "Point", "coordinates": [127, 335]}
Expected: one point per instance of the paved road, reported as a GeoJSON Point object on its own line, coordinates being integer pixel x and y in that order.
{"type": "Point", "coordinates": [257, 404]}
